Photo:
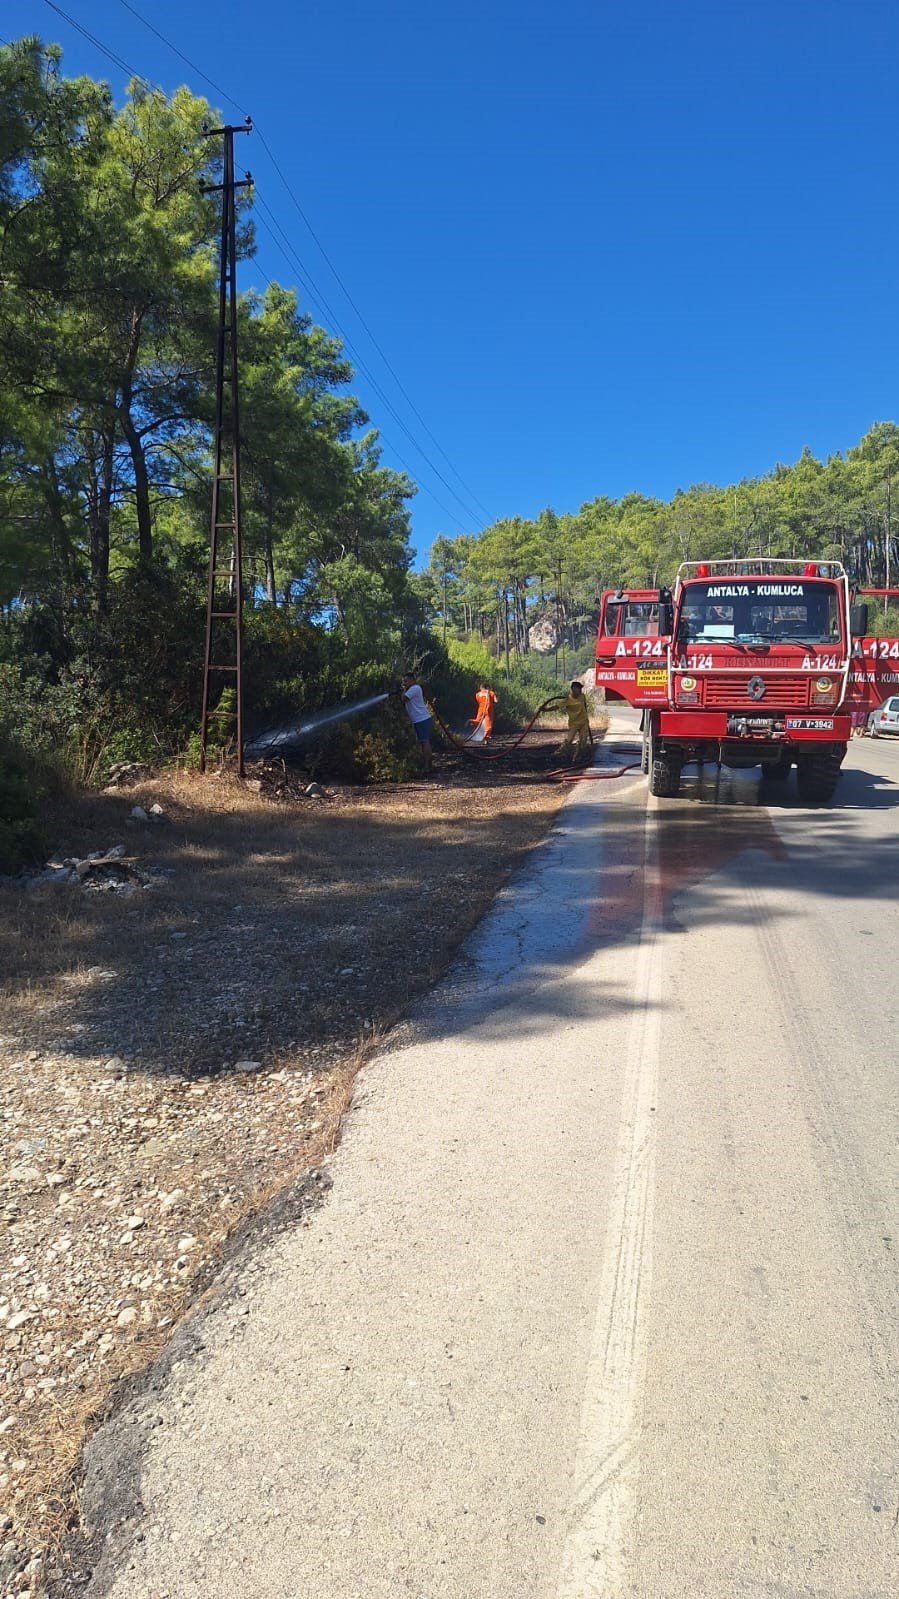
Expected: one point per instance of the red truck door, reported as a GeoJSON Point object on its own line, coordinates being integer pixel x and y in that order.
{"type": "Point", "coordinates": [631, 653]}
{"type": "Point", "coordinates": [873, 673]}
{"type": "Point", "coordinates": [873, 667]}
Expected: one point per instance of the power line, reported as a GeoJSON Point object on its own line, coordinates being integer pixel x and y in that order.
{"type": "Point", "coordinates": [110, 55]}
{"type": "Point", "coordinates": [320, 247]}
{"type": "Point", "coordinates": [186, 59]}
{"type": "Point", "coordinates": [287, 251]}
{"type": "Point", "coordinates": [316, 294]}
{"type": "Point", "coordinates": [311, 288]}
{"type": "Point", "coordinates": [391, 369]}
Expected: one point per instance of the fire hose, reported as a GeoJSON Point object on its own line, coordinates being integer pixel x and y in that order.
{"type": "Point", "coordinates": [559, 775]}
{"type": "Point", "coordinates": [592, 774]}
{"type": "Point", "coordinates": [283, 740]}
{"type": "Point", "coordinates": [475, 751]}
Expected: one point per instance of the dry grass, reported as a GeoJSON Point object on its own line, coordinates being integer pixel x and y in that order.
{"type": "Point", "coordinates": [290, 936]}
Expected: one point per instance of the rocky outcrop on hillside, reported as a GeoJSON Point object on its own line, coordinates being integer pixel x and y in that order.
{"type": "Point", "coordinates": [542, 636]}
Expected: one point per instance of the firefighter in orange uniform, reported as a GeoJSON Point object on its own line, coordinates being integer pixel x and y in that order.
{"type": "Point", "coordinates": [482, 722]}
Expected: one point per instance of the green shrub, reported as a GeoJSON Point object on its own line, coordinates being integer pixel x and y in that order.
{"type": "Point", "coordinates": [128, 744]}
{"type": "Point", "coordinates": [334, 754]}
{"type": "Point", "coordinates": [37, 715]}
{"type": "Point", "coordinates": [379, 759]}
{"type": "Point", "coordinates": [286, 668]}
{"type": "Point", "coordinates": [82, 691]}
{"type": "Point", "coordinates": [223, 720]}
{"type": "Point", "coordinates": [22, 840]}
{"type": "Point", "coordinates": [33, 731]}
{"type": "Point", "coordinates": [91, 689]}
{"type": "Point", "coordinates": [378, 747]}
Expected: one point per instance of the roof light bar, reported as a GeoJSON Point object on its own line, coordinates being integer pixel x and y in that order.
{"type": "Point", "coordinates": [762, 566]}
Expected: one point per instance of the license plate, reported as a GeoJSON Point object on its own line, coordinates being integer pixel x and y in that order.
{"type": "Point", "coordinates": [651, 677]}
{"type": "Point", "coordinates": [809, 724]}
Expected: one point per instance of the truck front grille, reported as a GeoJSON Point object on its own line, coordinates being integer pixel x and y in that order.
{"type": "Point", "coordinates": [783, 691]}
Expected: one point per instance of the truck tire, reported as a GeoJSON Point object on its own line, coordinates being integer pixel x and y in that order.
{"type": "Point", "coordinates": [664, 777]}
{"type": "Point", "coordinates": [816, 778]}
{"type": "Point", "coordinates": [777, 771]}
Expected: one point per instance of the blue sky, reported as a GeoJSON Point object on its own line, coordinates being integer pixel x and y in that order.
{"type": "Point", "coordinates": [603, 249]}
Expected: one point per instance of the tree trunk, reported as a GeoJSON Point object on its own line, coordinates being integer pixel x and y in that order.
{"type": "Point", "coordinates": [141, 480]}
{"type": "Point", "coordinates": [61, 543]}
{"type": "Point", "coordinates": [506, 628]}
{"type": "Point", "coordinates": [271, 592]}
{"type": "Point", "coordinates": [98, 516]}
{"type": "Point", "coordinates": [887, 539]}
{"type": "Point", "coordinates": [135, 446]}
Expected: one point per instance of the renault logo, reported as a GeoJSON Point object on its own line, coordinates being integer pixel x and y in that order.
{"type": "Point", "coordinates": [755, 688]}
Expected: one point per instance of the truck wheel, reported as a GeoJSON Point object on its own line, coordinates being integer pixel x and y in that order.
{"type": "Point", "coordinates": [778, 771]}
{"type": "Point", "coordinates": [816, 778]}
{"type": "Point", "coordinates": [664, 777]}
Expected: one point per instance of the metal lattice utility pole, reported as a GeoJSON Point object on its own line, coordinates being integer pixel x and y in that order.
{"type": "Point", "coordinates": [224, 604]}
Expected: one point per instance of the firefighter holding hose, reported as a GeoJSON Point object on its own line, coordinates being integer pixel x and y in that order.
{"type": "Point", "coordinates": [482, 721]}
{"type": "Point", "coordinates": [420, 716]}
{"type": "Point", "coordinates": [579, 734]}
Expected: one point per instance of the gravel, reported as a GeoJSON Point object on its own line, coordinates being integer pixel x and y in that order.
{"type": "Point", "coordinates": [172, 1059]}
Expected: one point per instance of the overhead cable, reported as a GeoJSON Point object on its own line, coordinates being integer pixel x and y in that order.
{"type": "Point", "coordinates": [311, 288]}
{"type": "Point", "coordinates": [293, 262]}
{"type": "Point", "coordinates": [110, 55]}
{"type": "Point", "coordinates": [320, 247]}
{"type": "Point", "coordinates": [362, 364]}
{"type": "Point", "coordinates": [409, 401]}
{"type": "Point", "coordinates": [186, 59]}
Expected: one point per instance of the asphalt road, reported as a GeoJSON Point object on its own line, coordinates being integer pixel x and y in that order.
{"type": "Point", "coordinates": [603, 1300]}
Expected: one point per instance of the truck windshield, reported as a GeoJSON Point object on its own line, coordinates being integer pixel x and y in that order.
{"type": "Point", "coordinates": [762, 611]}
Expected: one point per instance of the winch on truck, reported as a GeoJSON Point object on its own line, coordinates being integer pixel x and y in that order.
{"type": "Point", "coordinates": [745, 663]}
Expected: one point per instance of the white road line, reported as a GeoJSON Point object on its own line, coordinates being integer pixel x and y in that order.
{"type": "Point", "coordinates": [597, 1555]}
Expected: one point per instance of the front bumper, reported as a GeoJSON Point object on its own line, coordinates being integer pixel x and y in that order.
{"type": "Point", "coordinates": [778, 727]}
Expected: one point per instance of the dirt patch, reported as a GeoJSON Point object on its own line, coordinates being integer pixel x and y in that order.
{"type": "Point", "coordinates": [177, 1054]}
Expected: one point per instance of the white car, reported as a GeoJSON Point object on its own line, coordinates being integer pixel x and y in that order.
{"type": "Point", "coordinates": [886, 718]}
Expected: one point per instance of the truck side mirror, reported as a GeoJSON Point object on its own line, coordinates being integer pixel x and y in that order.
{"type": "Point", "coordinates": [858, 619]}
{"type": "Point", "coordinates": [666, 613]}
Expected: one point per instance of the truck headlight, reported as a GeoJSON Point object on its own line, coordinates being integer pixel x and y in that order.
{"type": "Point", "coordinates": [824, 691]}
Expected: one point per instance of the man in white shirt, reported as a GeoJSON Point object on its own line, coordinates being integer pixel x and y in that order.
{"type": "Point", "coordinates": [420, 717]}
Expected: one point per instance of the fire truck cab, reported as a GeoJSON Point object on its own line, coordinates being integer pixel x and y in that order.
{"type": "Point", "coordinates": [745, 663]}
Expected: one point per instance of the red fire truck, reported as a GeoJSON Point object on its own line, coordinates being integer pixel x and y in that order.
{"type": "Point", "coordinates": [746, 663]}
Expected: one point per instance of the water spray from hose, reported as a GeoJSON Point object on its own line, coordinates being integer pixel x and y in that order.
{"type": "Point", "coordinates": [282, 740]}
{"type": "Point", "coordinates": [293, 734]}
